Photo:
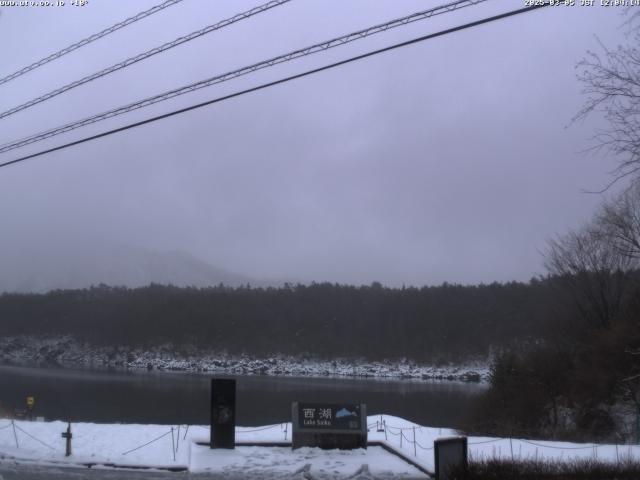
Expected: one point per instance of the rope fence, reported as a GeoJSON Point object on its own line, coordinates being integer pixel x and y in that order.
{"type": "Point", "coordinates": [406, 442]}
{"type": "Point", "coordinates": [284, 427]}
{"type": "Point", "coordinates": [417, 427]}
{"type": "Point", "coordinates": [149, 443]}
{"type": "Point", "coordinates": [423, 447]}
{"type": "Point", "coordinates": [261, 429]}
{"type": "Point", "coordinates": [31, 436]}
{"type": "Point", "coordinates": [487, 441]}
{"type": "Point", "coordinates": [559, 448]}
{"type": "Point", "coordinates": [398, 428]}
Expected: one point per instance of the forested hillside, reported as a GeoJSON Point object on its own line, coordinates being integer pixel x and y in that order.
{"type": "Point", "coordinates": [448, 322]}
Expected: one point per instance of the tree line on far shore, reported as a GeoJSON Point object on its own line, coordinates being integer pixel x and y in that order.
{"type": "Point", "coordinates": [429, 324]}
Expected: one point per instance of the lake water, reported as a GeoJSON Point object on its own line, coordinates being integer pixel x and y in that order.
{"type": "Point", "coordinates": [172, 398]}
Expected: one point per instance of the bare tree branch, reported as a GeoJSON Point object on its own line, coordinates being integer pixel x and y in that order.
{"type": "Point", "coordinates": [611, 84]}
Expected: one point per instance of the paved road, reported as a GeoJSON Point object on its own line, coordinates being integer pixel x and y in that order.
{"type": "Point", "coordinates": [33, 472]}
{"type": "Point", "coordinates": [10, 471]}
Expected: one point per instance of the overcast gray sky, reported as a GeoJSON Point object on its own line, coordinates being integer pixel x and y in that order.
{"type": "Point", "coordinates": [449, 160]}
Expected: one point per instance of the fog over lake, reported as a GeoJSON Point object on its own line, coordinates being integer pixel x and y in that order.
{"type": "Point", "coordinates": [449, 160]}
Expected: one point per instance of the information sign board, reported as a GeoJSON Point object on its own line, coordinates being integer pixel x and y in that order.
{"type": "Point", "coordinates": [329, 417]}
{"type": "Point", "coordinates": [329, 425]}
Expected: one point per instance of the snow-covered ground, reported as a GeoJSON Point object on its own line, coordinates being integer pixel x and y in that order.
{"type": "Point", "coordinates": [67, 351]}
{"type": "Point", "coordinates": [164, 446]}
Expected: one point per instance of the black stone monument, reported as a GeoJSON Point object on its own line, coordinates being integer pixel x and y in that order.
{"type": "Point", "coordinates": [223, 413]}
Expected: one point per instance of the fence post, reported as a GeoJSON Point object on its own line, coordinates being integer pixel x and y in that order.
{"type": "Point", "coordinates": [385, 431]}
{"type": "Point", "coordinates": [178, 438]}
{"type": "Point", "coordinates": [415, 452]}
{"type": "Point", "coordinates": [173, 445]}
{"type": "Point", "coordinates": [15, 435]}
{"type": "Point", "coordinates": [401, 435]}
{"type": "Point", "coordinates": [68, 436]}
{"type": "Point", "coordinates": [511, 445]}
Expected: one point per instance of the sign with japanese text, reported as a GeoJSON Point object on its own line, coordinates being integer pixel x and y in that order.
{"type": "Point", "coordinates": [329, 416]}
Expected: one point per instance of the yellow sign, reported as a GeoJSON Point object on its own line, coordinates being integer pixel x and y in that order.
{"type": "Point", "coordinates": [30, 401]}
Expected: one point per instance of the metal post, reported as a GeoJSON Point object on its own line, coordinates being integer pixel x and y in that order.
{"type": "Point", "coordinates": [178, 439]}
{"type": "Point", "coordinates": [15, 435]}
{"type": "Point", "coordinates": [415, 452]}
{"type": "Point", "coordinates": [67, 436]}
{"type": "Point", "coordinates": [173, 445]}
{"type": "Point", "coordinates": [511, 445]}
{"type": "Point", "coordinates": [385, 430]}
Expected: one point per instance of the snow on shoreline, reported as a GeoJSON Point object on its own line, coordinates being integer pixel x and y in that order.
{"type": "Point", "coordinates": [176, 447]}
{"type": "Point", "coordinates": [66, 351]}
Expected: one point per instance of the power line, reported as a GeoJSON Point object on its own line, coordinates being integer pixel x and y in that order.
{"type": "Point", "coordinates": [309, 50]}
{"type": "Point", "coordinates": [282, 80]}
{"type": "Point", "coordinates": [92, 38]}
{"type": "Point", "coordinates": [144, 55]}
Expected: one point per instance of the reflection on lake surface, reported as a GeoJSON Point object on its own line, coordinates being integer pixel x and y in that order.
{"type": "Point", "coordinates": [172, 398]}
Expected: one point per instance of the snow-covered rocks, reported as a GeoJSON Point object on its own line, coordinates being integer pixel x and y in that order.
{"type": "Point", "coordinates": [68, 351]}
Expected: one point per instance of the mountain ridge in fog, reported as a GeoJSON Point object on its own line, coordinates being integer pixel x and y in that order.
{"type": "Point", "coordinates": [128, 266]}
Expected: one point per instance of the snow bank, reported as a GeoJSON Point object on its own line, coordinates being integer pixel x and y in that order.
{"type": "Point", "coordinates": [159, 446]}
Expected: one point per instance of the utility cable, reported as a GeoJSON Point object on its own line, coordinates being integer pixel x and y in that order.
{"type": "Point", "coordinates": [144, 55]}
{"type": "Point", "coordinates": [86, 41]}
{"type": "Point", "coordinates": [282, 80]}
{"type": "Point", "coordinates": [318, 47]}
